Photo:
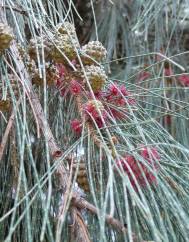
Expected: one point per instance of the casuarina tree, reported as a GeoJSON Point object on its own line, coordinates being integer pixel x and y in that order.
{"type": "Point", "coordinates": [94, 121]}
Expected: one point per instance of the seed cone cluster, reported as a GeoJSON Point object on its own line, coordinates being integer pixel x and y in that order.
{"type": "Point", "coordinates": [93, 51]}
{"type": "Point", "coordinates": [66, 28]}
{"type": "Point", "coordinates": [5, 94]}
{"type": "Point", "coordinates": [96, 76]}
{"type": "Point", "coordinates": [64, 47]}
{"type": "Point", "coordinates": [51, 76]}
{"type": "Point", "coordinates": [37, 46]}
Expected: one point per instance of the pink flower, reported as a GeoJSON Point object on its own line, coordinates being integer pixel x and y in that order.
{"type": "Point", "coordinates": [184, 79]}
{"type": "Point", "coordinates": [75, 87]}
{"type": "Point", "coordinates": [143, 75]}
{"type": "Point", "coordinates": [76, 125]}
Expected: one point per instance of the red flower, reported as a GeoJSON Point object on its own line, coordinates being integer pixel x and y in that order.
{"type": "Point", "coordinates": [143, 75]}
{"type": "Point", "coordinates": [184, 79]}
{"type": "Point", "coordinates": [123, 90]}
{"type": "Point", "coordinates": [75, 87]}
{"type": "Point", "coordinates": [76, 125]}
{"type": "Point", "coordinates": [131, 101]}
{"type": "Point", "coordinates": [61, 73]}
{"type": "Point", "coordinates": [63, 91]}
{"type": "Point", "coordinates": [117, 113]}
{"type": "Point", "coordinates": [91, 110]}
{"type": "Point", "coordinates": [167, 119]}
{"type": "Point", "coordinates": [113, 90]}
{"type": "Point", "coordinates": [149, 154]}
{"type": "Point", "coordinates": [133, 167]}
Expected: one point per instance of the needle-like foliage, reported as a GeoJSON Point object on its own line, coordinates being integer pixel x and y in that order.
{"type": "Point", "coordinates": [94, 121]}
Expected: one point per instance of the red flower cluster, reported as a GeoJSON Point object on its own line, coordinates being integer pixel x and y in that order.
{"type": "Point", "coordinates": [143, 75]}
{"type": "Point", "coordinates": [133, 167]}
{"type": "Point", "coordinates": [91, 110]}
{"type": "Point", "coordinates": [64, 87]}
{"type": "Point", "coordinates": [119, 97]}
{"type": "Point", "coordinates": [75, 87]}
{"type": "Point", "coordinates": [184, 79]}
{"type": "Point", "coordinates": [76, 125]}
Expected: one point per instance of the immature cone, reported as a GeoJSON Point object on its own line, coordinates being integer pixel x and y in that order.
{"type": "Point", "coordinates": [66, 45]}
{"type": "Point", "coordinates": [96, 76]}
{"type": "Point", "coordinates": [6, 36]}
{"type": "Point", "coordinates": [95, 50]}
{"type": "Point", "coordinates": [5, 105]}
{"type": "Point", "coordinates": [82, 179]}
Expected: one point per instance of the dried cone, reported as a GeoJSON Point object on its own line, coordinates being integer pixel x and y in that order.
{"type": "Point", "coordinates": [96, 76]}
{"type": "Point", "coordinates": [38, 45]}
{"type": "Point", "coordinates": [14, 87]}
{"type": "Point", "coordinates": [22, 50]}
{"type": "Point", "coordinates": [5, 105]}
{"type": "Point", "coordinates": [51, 76]}
{"type": "Point", "coordinates": [93, 50]}
{"type": "Point", "coordinates": [66, 45]}
{"type": "Point", "coordinates": [6, 36]}
{"type": "Point", "coordinates": [82, 178]}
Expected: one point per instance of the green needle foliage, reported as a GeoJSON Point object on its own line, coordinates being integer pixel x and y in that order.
{"type": "Point", "coordinates": [94, 121]}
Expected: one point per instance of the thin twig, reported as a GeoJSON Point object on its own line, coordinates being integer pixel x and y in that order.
{"type": "Point", "coordinates": [63, 207]}
{"type": "Point", "coordinates": [83, 204]}
{"type": "Point", "coordinates": [7, 130]}
{"type": "Point", "coordinates": [16, 9]}
{"type": "Point", "coordinates": [80, 230]}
